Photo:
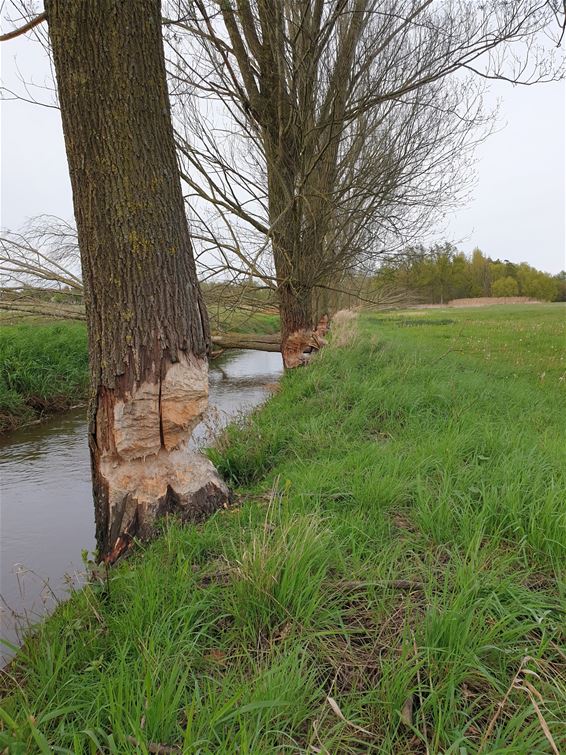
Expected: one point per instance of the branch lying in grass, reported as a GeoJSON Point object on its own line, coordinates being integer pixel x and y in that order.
{"type": "Point", "coordinates": [34, 308]}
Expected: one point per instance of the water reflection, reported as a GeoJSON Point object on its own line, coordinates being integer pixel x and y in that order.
{"type": "Point", "coordinates": [47, 516]}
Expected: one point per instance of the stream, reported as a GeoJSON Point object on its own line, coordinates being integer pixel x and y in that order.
{"type": "Point", "coordinates": [47, 515]}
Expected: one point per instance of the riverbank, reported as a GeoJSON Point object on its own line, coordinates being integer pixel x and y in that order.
{"type": "Point", "coordinates": [44, 365]}
{"type": "Point", "coordinates": [390, 578]}
{"type": "Point", "coordinates": [47, 518]}
{"type": "Point", "coordinates": [43, 369]}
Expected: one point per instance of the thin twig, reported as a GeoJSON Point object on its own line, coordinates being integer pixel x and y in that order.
{"type": "Point", "coordinates": [502, 704]}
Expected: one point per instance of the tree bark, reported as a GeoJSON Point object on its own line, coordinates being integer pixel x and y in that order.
{"type": "Point", "coordinates": [148, 329]}
{"type": "Point", "coordinates": [297, 325]}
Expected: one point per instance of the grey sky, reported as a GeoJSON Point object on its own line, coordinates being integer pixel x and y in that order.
{"type": "Point", "coordinates": [516, 212]}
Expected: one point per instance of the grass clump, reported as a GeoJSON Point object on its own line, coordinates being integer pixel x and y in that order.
{"type": "Point", "coordinates": [390, 580]}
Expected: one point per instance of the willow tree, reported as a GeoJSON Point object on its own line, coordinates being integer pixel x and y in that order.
{"type": "Point", "coordinates": [353, 122]}
{"type": "Point", "coordinates": [147, 324]}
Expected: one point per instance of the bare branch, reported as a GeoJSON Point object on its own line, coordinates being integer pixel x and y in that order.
{"type": "Point", "coordinates": [25, 28]}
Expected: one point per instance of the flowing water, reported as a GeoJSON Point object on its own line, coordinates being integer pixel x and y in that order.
{"type": "Point", "coordinates": [47, 516]}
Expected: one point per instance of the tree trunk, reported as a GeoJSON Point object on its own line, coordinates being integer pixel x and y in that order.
{"type": "Point", "coordinates": [302, 332]}
{"type": "Point", "coordinates": [297, 325]}
{"type": "Point", "coordinates": [147, 324]}
{"type": "Point", "coordinates": [296, 249]}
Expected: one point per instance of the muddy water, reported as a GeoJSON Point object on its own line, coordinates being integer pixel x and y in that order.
{"type": "Point", "coordinates": [47, 515]}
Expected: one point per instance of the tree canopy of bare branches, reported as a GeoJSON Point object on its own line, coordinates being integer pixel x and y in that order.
{"type": "Point", "coordinates": [319, 133]}
{"type": "Point", "coordinates": [315, 135]}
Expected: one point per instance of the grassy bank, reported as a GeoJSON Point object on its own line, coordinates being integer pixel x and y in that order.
{"type": "Point", "coordinates": [243, 321]}
{"type": "Point", "coordinates": [44, 366]}
{"type": "Point", "coordinates": [390, 579]}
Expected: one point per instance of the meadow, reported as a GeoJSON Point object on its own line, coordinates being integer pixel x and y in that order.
{"type": "Point", "coordinates": [390, 578]}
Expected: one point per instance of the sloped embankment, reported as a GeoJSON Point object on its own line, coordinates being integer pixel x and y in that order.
{"type": "Point", "coordinates": [388, 579]}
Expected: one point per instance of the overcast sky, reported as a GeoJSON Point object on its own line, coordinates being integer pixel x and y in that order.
{"type": "Point", "coordinates": [516, 212]}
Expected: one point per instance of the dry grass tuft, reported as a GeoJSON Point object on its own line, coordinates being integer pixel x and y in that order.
{"type": "Point", "coordinates": [344, 328]}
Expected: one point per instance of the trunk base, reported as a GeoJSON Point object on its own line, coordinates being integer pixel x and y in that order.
{"type": "Point", "coordinates": [143, 467]}
{"type": "Point", "coordinates": [180, 482]}
{"type": "Point", "coordinates": [297, 348]}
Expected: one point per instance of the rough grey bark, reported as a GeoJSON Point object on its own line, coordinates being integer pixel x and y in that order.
{"type": "Point", "coordinates": [148, 329]}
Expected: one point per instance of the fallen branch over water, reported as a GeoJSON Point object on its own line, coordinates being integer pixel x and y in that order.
{"type": "Point", "coordinates": [248, 341]}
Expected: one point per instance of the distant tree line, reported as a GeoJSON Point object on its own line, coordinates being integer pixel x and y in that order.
{"type": "Point", "coordinates": [439, 273]}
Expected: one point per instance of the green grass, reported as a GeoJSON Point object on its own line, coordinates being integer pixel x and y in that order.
{"type": "Point", "coordinates": [43, 368]}
{"type": "Point", "coordinates": [242, 321]}
{"type": "Point", "coordinates": [44, 365]}
{"type": "Point", "coordinates": [398, 540]}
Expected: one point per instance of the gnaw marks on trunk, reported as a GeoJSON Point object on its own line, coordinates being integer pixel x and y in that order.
{"type": "Point", "coordinates": [298, 346]}
{"type": "Point", "coordinates": [142, 465]}
{"type": "Point", "coordinates": [300, 335]}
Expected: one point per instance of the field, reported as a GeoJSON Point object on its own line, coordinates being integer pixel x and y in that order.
{"type": "Point", "coordinates": [44, 365]}
{"type": "Point", "coordinates": [390, 578]}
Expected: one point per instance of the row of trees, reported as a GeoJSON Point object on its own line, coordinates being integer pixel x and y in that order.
{"type": "Point", "coordinates": [439, 273]}
{"type": "Point", "coordinates": [312, 136]}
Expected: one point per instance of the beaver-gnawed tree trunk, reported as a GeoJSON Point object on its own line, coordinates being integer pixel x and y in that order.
{"type": "Point", "coordinates": [148, 328]}
{"type": "Point", "coordinates": [294, 265]}
{"type": "Point", "coordinates": [297, 326]}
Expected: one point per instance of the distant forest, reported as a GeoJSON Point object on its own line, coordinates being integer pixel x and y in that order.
{"type": "Point", "coordinates": [440, 273]}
